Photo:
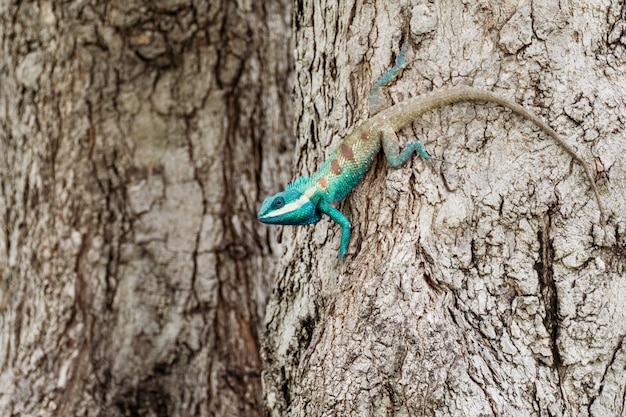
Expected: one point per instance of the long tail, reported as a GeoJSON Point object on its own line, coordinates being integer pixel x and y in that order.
{"type": "Point", "coordinates": [404, 113]}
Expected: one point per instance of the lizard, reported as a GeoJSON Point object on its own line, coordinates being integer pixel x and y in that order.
{"type": "Point", "coordinates": [308, 197]}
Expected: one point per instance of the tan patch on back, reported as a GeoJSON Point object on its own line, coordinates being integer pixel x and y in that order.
{"type": "Point", "coordinates": [346, 152]}
{"type": "Point", "coordinates": [323, 182]}
{"type": "Point", "coordinates": [335, 167]}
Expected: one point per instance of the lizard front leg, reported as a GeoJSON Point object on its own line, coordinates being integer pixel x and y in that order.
{"type": "Point", "coordinates": [391, 147]}
{"type": "Point", "coordinates": [339, 218]}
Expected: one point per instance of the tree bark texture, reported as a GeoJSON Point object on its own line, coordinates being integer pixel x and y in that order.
{"type": "Point", "coordinates": [136, 139]}
{"type": "Point", "coordinates": [481, 283]}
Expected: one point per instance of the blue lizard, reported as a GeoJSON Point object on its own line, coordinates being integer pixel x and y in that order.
{"type": "Point", "coordinates": [305, 199]}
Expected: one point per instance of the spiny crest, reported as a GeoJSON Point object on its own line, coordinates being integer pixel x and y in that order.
{"type": "Point", "coordinates": [298, 183]}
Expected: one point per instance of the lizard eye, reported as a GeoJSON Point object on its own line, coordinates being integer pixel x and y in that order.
{"type": "Point", "coordinates": [278, 202]}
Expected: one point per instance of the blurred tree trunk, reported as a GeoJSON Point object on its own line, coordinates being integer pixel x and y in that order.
{"type": "Point", "coordinates": [136, 139]}
{"type": "Point", "coordinates": [480, 284]}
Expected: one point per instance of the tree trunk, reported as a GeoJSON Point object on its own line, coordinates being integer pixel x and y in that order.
{"type": "Point", "coordinates": [481, 284]}
{"type": "Point", "coordinates": [133, 152]}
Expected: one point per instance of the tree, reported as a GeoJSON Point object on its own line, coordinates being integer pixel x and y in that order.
{"type": "Point", "coordinates": [481, 283]}
{"type": "Point", "coordinates": [133, 273]}
{"type": "Point", "coordinates": [138, 138]}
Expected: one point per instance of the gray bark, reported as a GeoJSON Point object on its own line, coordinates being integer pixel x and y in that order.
{"type": "Point", "coordinates": [135, 141]}
{"type": "Point", "coordinates": [480, 284]}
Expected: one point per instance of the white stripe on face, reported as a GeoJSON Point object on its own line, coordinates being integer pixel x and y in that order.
{"type": "Point", "coordinates": [288, 208]}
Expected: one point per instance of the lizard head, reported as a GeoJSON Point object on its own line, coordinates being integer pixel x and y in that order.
{"type": "Point", "coordinates": [288, 207]}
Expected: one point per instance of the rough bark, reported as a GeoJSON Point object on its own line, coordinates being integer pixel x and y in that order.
{"type": "Point", "coordinates": [136, 138]}
{"type": "Point", "coordinates": [480, 284]}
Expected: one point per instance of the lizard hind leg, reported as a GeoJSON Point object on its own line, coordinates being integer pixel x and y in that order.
{"type": "Point", "coordinates": [391, 147]}
{"type": "Point", "coordinates": [376, 101]}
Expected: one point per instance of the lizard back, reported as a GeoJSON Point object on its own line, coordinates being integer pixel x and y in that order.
{"type": "Point", "coordinates": [345, 167]}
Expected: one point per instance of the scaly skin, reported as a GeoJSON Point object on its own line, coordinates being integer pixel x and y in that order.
{"type": "Point", "coordinates": [306, 198]}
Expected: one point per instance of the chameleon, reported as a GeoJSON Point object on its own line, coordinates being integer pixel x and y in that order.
{"type": "Point", "coordinates": [308, 197]}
